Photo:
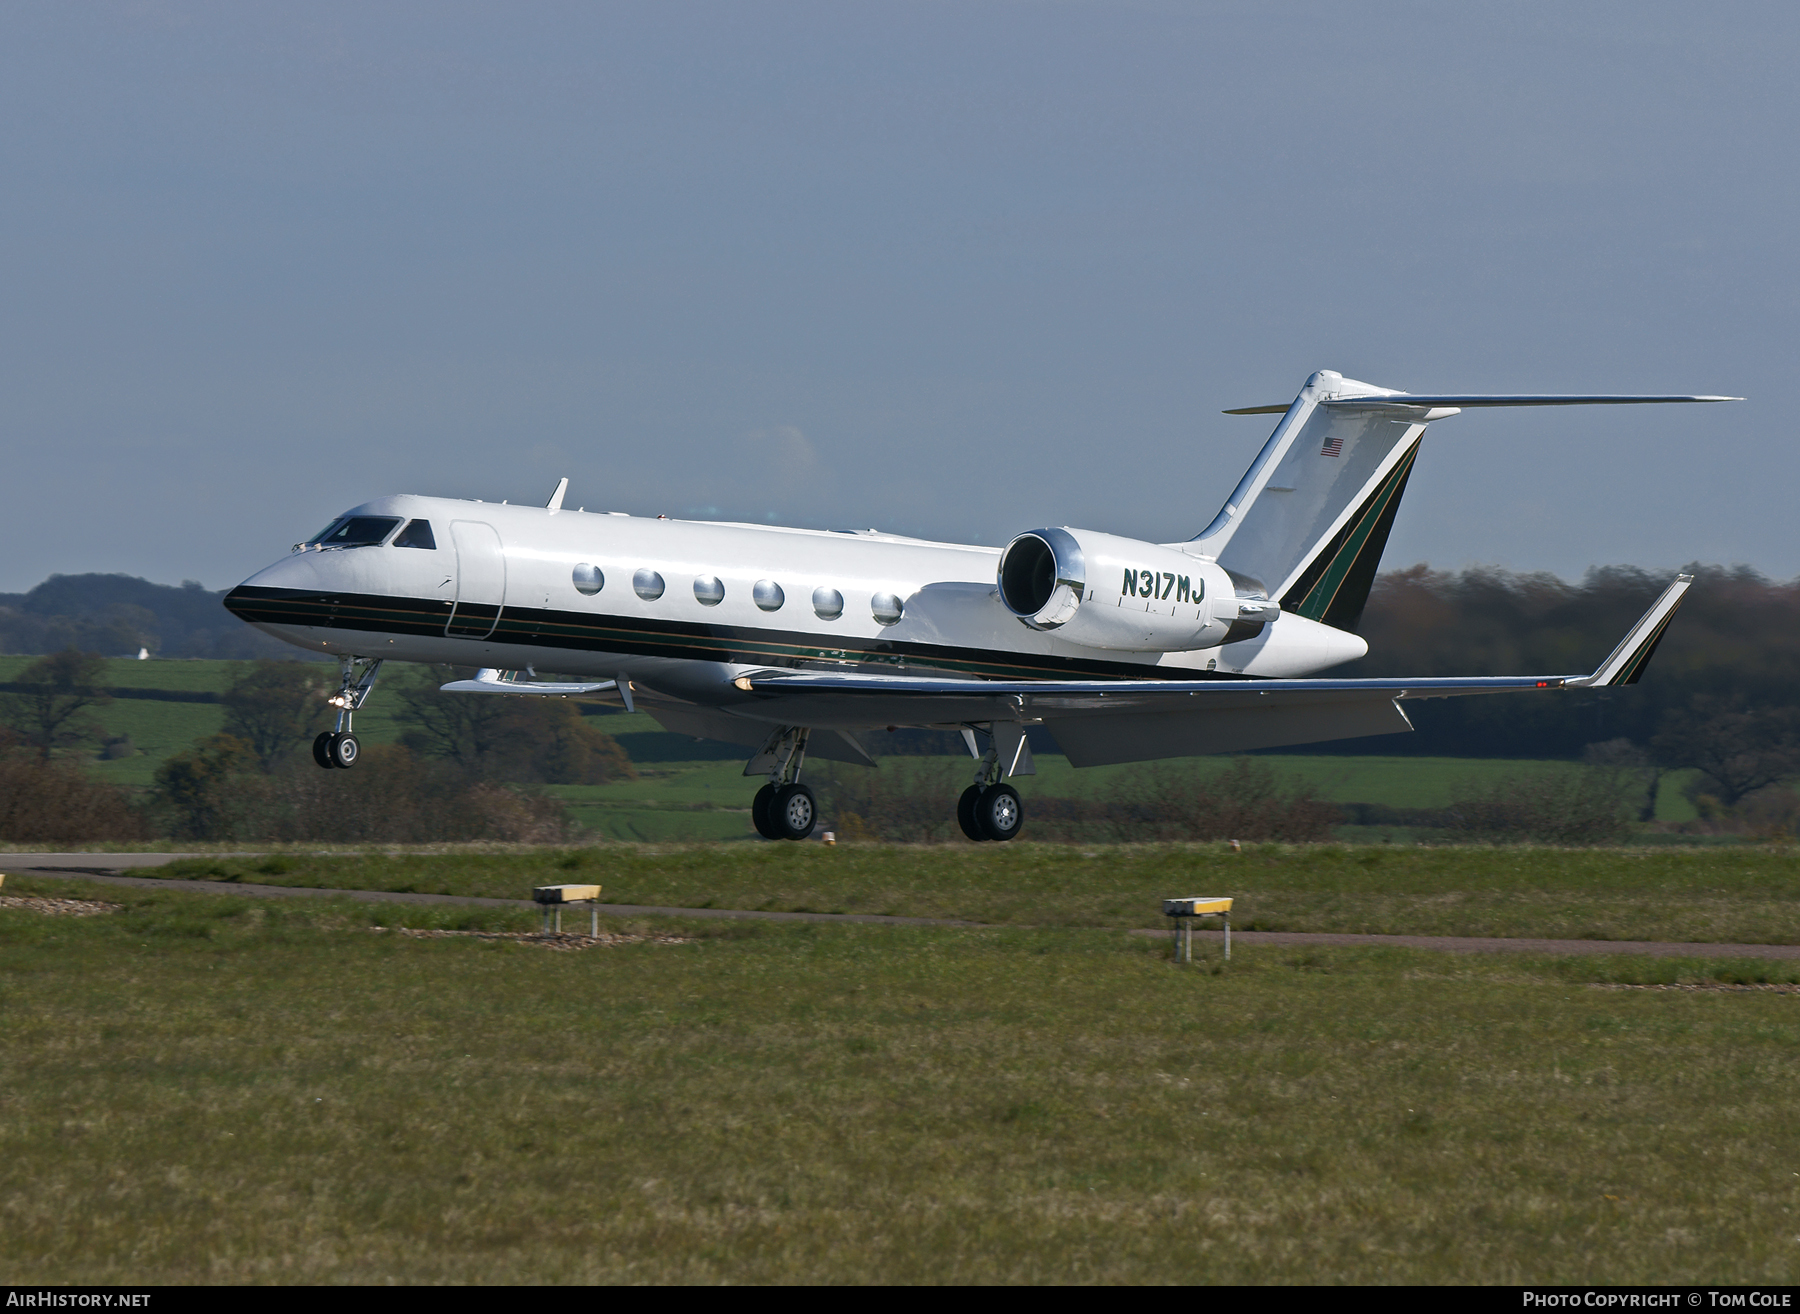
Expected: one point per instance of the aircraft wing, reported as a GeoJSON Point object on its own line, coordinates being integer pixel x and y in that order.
{"type": "Point", "coordinates": [1097, 722]}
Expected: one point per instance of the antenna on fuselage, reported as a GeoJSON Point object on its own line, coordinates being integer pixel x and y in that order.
{"type": "Point", "coordinates": [555, 502]}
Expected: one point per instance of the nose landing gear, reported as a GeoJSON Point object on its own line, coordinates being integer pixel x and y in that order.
{"type": "Point", "coordinates": [339, 748]}
{"type": "Point", "coordinates": [336, 750]}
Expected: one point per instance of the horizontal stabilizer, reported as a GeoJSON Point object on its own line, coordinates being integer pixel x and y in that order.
{"type": "Point", "coordinates": [1472, 399]}
{"type": "Point", "coordinates": [1467, 399]}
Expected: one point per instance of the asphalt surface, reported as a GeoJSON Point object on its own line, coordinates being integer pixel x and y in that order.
{"type": "Point", "coordinates": [1480, 944]}
{"type": "Point", "coordinates": [108, 869]}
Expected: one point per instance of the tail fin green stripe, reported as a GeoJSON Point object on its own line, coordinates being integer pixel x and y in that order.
{"type": "Point", "coordinates": [1334, 588]}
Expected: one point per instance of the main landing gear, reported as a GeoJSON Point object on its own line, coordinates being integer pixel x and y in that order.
{"type": "Point", "coordinates": [990, 809]}
{"type": "Point", "coordinates": [784, 808]}
{"type": "Point", "coordinates": [339, 748]}
{"type": "Point", "coordinates": [990, 812]}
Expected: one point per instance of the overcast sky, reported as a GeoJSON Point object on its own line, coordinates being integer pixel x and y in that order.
{"type": "Point", "coordinates": [957, 270]}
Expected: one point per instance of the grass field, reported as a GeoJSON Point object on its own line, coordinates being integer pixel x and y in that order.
{"type": "Point", "coordinates": [695, 791]}
{"type": "Point", "coordinates": [1743, 894]}
{"type": "Point", "coordinates": [688, 792]}
{"type": "Point", "coordinates": [202, 1088]}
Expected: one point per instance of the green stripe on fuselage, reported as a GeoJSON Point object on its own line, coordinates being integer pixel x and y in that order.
{"type": "Point", "coordinates": [577, 632]}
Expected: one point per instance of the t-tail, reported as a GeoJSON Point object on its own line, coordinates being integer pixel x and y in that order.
{"type": "Point", "coordinates": [1309, 520]}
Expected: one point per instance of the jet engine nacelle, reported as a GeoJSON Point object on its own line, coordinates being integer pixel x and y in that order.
{"type": "Point", "coordinates": [1103, 591]}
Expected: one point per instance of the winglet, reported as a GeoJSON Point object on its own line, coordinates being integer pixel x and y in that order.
{"type": "Point", "coordinates": [1629, 659]}
{"type": "Point", "coordinates": [555, 502]}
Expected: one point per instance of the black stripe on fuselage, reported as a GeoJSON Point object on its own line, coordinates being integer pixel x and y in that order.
{"type": "Point", "coordinates": [649, 637]}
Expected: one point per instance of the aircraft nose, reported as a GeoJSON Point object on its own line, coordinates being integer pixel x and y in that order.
{"type": "Point", "coordinates": [258, 598]}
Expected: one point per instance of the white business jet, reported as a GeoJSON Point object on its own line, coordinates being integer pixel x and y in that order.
{"type": "Point", "coordinates": [794, 641]}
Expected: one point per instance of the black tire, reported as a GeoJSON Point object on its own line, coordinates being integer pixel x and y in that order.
{"type": "Point", "coordinates": [999, 813]}
{"type": "Point", "coordinates": [762, 814]}
{"type": "Point", "coordinates": [965, 814]}
{"type": "Point", "coordinates": [794, 812]}
{"type": "Point", "coordinates": [344, 751]}
{"type": "Point", "coordinates": [322, 750]}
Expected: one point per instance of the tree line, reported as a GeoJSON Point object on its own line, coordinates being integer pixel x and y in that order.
{"type": "Point", "coordinates": [1722, 694]}
{"type": "Point", "coordinates": [120, 614]}
{"type": "Point", "coordinates": [464, 767]}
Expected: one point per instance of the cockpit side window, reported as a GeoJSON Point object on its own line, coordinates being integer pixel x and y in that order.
{"type": "Point", "coordinates": [416, 534]}
{"type": "Point", "coordinates": [355, 531]}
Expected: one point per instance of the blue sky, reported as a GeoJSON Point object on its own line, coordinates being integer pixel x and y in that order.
{"type": "Point", "coordinates": [957, 270]}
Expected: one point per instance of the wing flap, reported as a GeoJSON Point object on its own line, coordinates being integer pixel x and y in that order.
{"type": "Point", "coordinates": [1144, 736]}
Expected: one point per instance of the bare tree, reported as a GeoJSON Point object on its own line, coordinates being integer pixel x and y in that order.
{"type": "Point", "coordinates": [1739, 752]}
{"type": "Point", "coordinates": [520, 738]}
{"type": "Point", "coordinates": [1636, 770]}
{"type": "Point", "coordinates": [469, 730]}
{"type": "Point", "coordinates": [50, 710]}
{"type": "Point", "coordinates": [276, 706]}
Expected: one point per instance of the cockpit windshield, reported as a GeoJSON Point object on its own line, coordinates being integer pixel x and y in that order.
{"type": "Point", "coordinates": [354, 531]}
{"type": "Point", "coordinates": [417, 534]}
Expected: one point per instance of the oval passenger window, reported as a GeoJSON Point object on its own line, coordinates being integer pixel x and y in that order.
{"type": "Point", "coordinates": [768, 595]}
{"type": "Point", "coordinates": [588, 579]}
{"type": "Point", "coordinates": [708, 590]}
{"type": "Point", "coordinates": [886, 608]}
{"type": "Point", "coordinates": [647, 584]}
{"type": "Point", "coordinates": [828, 604]}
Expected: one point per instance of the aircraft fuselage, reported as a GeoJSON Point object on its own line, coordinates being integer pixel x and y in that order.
{"type": "Point", "coordinates": [686, 606]}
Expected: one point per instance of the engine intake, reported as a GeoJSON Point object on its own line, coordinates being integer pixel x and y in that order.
{"type": "Point", "coordinates": [1042, 578]}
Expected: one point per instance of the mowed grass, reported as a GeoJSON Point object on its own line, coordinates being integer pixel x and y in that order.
{"type": "Point", "coordinates": [1742, 894]}
{"type": "Point", "coordinates": [204, 1088]}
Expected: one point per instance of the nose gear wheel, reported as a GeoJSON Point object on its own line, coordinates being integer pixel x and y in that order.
{"type": "Point", "coordinates": [345, 750]}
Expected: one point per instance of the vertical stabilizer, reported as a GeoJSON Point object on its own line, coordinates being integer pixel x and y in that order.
{"type": "Point", "coordinates": [1312, 515]}
{"type": "Point", "coordinates": [1310, 518]}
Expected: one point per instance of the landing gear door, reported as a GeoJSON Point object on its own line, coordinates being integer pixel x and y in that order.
{"type": "Point", "coordinates": [480, 580]}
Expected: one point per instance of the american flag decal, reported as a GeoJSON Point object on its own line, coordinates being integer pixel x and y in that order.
{"type": "Point", "coordinates": [1332, 447]}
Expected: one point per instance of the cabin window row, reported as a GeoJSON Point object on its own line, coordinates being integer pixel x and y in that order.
{"type": "Point", "coordinates": [709, 591]}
